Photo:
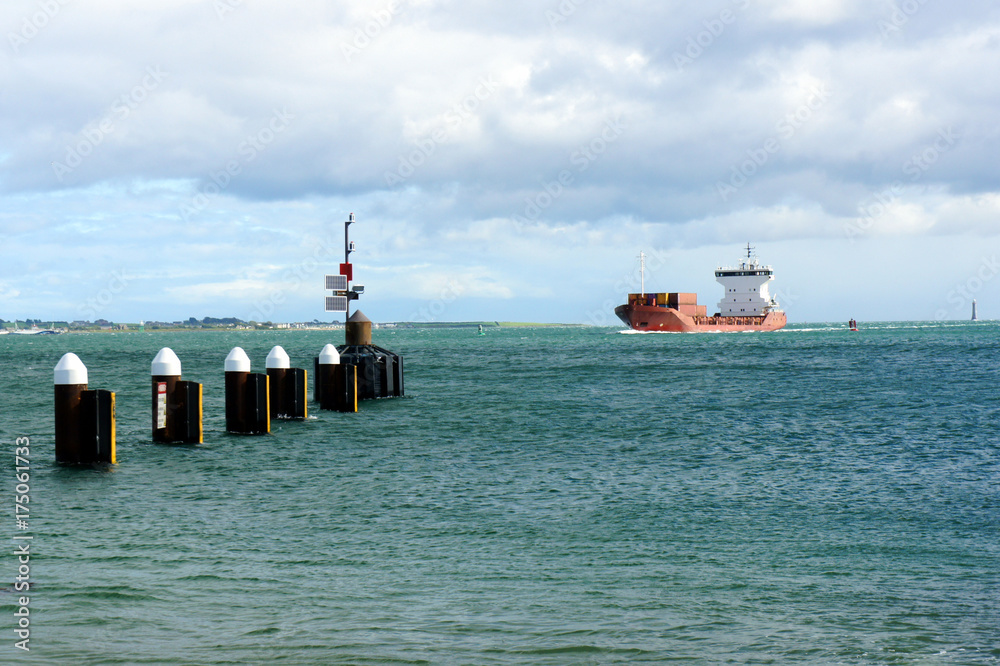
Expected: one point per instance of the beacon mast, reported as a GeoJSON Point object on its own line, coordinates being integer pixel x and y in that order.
{"type": "Point", "coordinates": [343, 293]}
{"type": "Point", "coordinates": [379, 372]}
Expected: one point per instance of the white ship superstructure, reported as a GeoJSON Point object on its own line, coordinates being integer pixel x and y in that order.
{"type": "Point", "coordinates": [746, 288]}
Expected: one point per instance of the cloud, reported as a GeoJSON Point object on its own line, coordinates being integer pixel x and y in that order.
{"type": "Point", "coordinates": [473, 137]}
{"type": "Point", "coordinates": [812, 12]}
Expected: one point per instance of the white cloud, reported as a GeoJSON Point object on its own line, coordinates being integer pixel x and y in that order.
{"type": "Point", "coordinates": [811, 12]}
{"type": "Point", "coordinates": [484, 104]}
{"type": "Point", "coordinates": [8, 293]}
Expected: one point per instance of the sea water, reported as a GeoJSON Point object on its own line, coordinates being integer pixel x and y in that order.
{"type": "Point", "coordinates": [540, 496]}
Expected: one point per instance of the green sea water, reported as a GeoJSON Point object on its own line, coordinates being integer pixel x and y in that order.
{"type": "Point", "coordinates": [540, 496]}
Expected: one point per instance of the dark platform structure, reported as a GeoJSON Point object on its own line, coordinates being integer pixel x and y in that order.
{"type": "Point", "coordinates": [380, 371]}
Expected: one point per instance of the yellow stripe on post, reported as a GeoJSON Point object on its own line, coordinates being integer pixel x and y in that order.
{"type": "Point", "coordinates": [201, 428]}
{"type": "Point", "coordinates": [114, 458]}
{"type": "Point", "coordinates": [354, 385]}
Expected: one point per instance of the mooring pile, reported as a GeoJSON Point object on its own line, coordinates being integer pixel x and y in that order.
{"type": "Point", "coordinates": [357, 370]}
{"type": "Point", "coordinates": [85, 418]}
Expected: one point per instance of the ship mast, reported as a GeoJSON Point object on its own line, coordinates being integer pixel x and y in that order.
{"type": "Point", "coordinates": [642, 272]}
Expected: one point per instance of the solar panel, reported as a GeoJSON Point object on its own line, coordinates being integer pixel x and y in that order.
{"type": "Point", "coordinates": [336, 303]}
{"type": "Point", "coordinates": [336, 282]}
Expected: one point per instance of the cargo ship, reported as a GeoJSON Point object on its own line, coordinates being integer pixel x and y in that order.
{"type": "Point", "coordinates": [746, 306]}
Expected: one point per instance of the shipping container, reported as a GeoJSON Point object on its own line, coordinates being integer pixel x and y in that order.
{"type": "Point", "coordinates": [688, 309]}
{"type": "Point", "coordinates": [678, 298]}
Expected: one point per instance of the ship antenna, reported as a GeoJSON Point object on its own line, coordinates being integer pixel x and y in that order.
{"type": "Point", "coordinates": [642, 272]}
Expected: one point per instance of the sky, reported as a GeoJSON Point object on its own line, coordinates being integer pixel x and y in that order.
{"type": "Point", "coordinates": [504, 160]}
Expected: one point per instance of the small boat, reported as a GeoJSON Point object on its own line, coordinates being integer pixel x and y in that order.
{"type": "Point", "coordinates": [34, 330]}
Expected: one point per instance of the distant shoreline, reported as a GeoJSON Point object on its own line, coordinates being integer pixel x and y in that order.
{"type": "Point", "coordinates": [62, 328]}
{"type": "Point", "coordinates": [127, 327]}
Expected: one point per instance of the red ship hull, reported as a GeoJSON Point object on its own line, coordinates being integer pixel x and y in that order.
{"type": "Point", "coordinates": [667, 319]}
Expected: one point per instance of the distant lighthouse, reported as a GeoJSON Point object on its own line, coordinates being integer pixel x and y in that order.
{"type": "Point", "coordinates": [974, 317]}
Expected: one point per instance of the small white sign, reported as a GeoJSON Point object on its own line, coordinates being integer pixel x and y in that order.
{"type": "Point", "coordinates": [161, 405]}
